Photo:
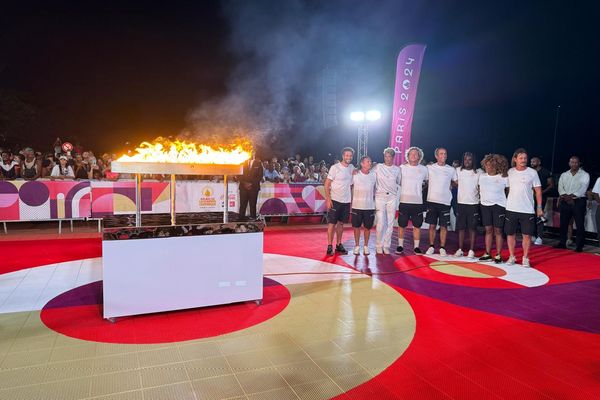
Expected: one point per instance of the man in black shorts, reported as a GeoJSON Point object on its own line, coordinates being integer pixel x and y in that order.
{"type": "Point", "coordinates": [523, 182]}
{"type": "Point", "coordinates": [413, 175]}
{"type": "Point", "coordinates": [363, 204]}
{"type": "Point", "coordinates": [467, 207]}
{"type": "Point", "coordinates": [439, 197]}
{"type": "Point", "coordinates": [338, 197]}
{"type": "Point", "coordinates": [492, 196]}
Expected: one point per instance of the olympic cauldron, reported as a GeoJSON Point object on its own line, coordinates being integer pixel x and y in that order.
{"type": "Point", "coordinates": [155, 263]}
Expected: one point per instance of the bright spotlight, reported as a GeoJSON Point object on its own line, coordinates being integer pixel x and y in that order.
{"type": "Point", "coordinates": [373, 115]}
{"type": "Point", "coordinates": [357, 116]}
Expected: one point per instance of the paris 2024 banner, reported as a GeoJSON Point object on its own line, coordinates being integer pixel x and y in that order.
{"type": "Point", "coordinates": [408, 71]}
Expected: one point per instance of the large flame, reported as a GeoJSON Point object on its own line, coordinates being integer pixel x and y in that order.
{"type": "Point", "coordinates": [176, 151]}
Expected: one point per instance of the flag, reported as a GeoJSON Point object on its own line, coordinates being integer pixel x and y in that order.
{"type": "Point", "coordinates": [408, 70]}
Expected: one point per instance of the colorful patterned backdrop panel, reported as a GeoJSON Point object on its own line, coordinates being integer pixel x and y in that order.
{"type": "Point", "coordinates": [44, 199]}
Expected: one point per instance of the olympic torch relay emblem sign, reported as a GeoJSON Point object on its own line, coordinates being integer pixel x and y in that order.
{"type": "Point", "coordinates": [408, 70]}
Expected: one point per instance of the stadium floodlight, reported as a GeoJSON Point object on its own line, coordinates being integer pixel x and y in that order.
{"type": "Point", "coordinates": [357, 116]}
{"type": "Point", "coordinates": [373, 115]}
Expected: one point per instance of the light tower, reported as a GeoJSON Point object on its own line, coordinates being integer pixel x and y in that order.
{"type": "Point", "coordinates": [363, 119]}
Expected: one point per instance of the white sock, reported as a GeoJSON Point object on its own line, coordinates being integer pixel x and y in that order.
{"type": "Point", "coordinates": [417, 243]}
{"type": "Point", "coordinates": [401, 242]}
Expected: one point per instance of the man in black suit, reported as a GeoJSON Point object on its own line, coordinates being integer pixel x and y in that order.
{"type": "Point", "coordinates": [250, 186]}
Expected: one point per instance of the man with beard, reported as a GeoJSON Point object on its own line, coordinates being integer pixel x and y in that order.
{"type": "Point", "coordinates": [523, 182]}
{"type": "Point", "coordinates": [338, 196]}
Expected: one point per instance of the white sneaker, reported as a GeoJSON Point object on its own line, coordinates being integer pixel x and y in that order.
{"type": "Point", "coordinates": [366, 251]}
{"type": "Point", "coordinates": [525, 262]}
{"type": "Point", "coordinates": [430, 250]}
{"type": "Point", "coordinates": [511, 260]}
{"type": "Point", "coordinates": [443, 252]}
{"type": "Point", "coordinates": [459, 253]}
{"type": "Point", "coordinates": [538, 241]}
{"type": "Point", "coordinates": [471, 254]}
{"type": "Point", "coordinates": [378, 250]}
{"type": "Point", "coordinates": [569, 243]}
{"type": "Point", "coordinates": [356, 250]}
{"type": "Point", "coordinates": [386, 250]}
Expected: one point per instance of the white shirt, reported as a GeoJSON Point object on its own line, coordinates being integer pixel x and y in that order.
{"type": "Point", "coordinates": [520, 194]}
{"type": "Point", "coordinates": [412, 178]}
{"type": "Point", "coordinates": [388, 179]}
{"type": "Point", "coordinates": [9, 166]}
{"type": "Point", "coordinates": [491, 189]}
{"type": "Point", "coordinates": [341, 179]}
{"type": "Point", "coordinates": [363, 191]}
{"type": "Point", "coordinates": [468, 181]}
{"type": "Point", "coordinates": [596, 188]}
{"type": "Point", "coordinates": [56, 171]}
{"type": "Point", "coordinates": [574, 184]}
{"type": "Point", "coordinates": [440, 177]}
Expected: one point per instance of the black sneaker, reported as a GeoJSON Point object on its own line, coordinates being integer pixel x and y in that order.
{"type": "Point", "coordinates": [418, 251]}
{"type": "Point", "coordinates": [399, 250]}
{"type": "Point", "coordinates": [559, 246]}
{"type": "Point", "coordinates": [330, 250]}
{"type": "Point", "coordinates": [497, 259]}
{"type": "Point", "coordinates": [341, 249]}
{"type": "Point", "coordinates": [485, 257]}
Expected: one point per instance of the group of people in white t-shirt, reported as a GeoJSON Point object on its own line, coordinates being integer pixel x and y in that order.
{"type": "Point", "coordinates": [374, 193]}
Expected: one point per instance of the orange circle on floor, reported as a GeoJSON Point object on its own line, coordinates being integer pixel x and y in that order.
{"type": "Point", "coordinates": [78, 313]}
{"type": "Point", "coordinates": [467, 269]}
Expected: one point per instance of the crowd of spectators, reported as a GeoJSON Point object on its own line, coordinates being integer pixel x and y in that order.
{"type": "Point", "coordinates": [295, 170]}
{"type": "Point", "coordinates": [30, 164]}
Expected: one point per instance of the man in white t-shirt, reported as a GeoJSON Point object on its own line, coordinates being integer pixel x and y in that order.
{"type": "Point", "coordinates": [522, 182]}
{"type": "Point", "coordinates": [363, 203]}
{"type": "Point", "coordinates": [439, 196]}
{"type": "Point", "coordinates": [386, 199]}
{"type": "Point", "coordinates": [412, 175]}
{"type": "Point", "coordinates": [572, 189]}
{"type": "Point", "coordinates": [467, 208]}
{"type": "Point", "coordinates": [596, 197]}
{"type": "Point", "coordinates": [338, 196]}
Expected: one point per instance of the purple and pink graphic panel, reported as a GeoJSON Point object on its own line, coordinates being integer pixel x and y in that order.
{"type": "Point", "coordinates": [41, 200]}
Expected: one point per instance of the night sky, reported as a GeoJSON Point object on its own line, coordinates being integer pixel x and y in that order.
{"type": "Point", "coordinates": [105, 73]}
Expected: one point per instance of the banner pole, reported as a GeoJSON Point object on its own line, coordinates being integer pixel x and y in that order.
{"type": "Point", "coordinates": [554, 141]}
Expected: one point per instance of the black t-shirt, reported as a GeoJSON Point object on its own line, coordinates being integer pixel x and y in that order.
{"type": "Point", "coordinates": [544, 174]}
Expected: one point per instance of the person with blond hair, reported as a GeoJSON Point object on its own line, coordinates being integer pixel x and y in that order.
{"type": "Point", "coordinates": [442, 177]}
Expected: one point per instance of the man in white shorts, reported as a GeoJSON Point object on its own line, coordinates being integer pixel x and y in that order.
{"type": "Point", "coordinates": [413, 176]}
{"type": "Point", "coordinates": [338, 196]}
{"type": "Point", "coordinates": [363, 203]}
{"type": "Point", "coordinates": [467, 208]}
{"type": "Point", "coordinates": [439, 196]}
{"type": "Point", "coordinates": [386, 200]}
{"type": "Point", "coordinates": [522, 182]}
